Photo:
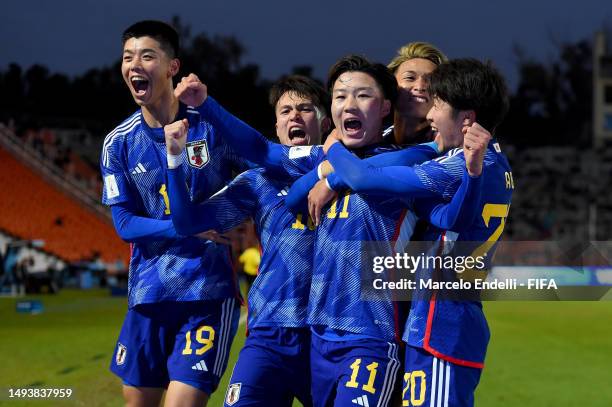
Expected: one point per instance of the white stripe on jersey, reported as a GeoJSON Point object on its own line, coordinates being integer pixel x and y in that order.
{"type": "Point", "coordinates": [406, 232]}
{"type": "Point", "coordinates": [121, 130]}
{"type": "Point", "coordinates": [434, 368]}
{"type": "Point", "coordinates": [390, 376]}
{"type": "Point", "coordinates": [447, 386]}
{"type": "Point", "coordinates": [448, 155]}
{"type": "Point", "coordinates": [440, 382]}
{"type": "Point", "coordinates": [227, 317]}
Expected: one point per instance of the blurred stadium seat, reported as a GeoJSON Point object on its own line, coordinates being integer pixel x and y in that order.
{"type": "Point", "coordinates": [32, 208]}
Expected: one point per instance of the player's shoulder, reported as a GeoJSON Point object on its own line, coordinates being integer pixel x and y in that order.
{"type": "Point", "coordinates": [495, 156]}
{"type": "Point", "coordinates": [119, 133]}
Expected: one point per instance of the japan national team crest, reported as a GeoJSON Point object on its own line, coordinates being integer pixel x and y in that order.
{"type": "Point", "coordinates": [197, 153]}
{"type": "Point", "coordinates": [233, 394]}
{"type": "Point", "coordinates": [121, 352]}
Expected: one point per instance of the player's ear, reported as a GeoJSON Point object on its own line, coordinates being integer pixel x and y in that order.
{"type": "Point", "coordinates": [469, 117]}
{"type": "Point", "coordinates": [325, 125]}
{"type": "Point", "coordinates": [175, 65]}
{"type": "Point", "coordinates": [386, 107]}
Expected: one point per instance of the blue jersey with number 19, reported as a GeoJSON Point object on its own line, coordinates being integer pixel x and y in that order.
{"type": "Point", "coordinates": [133, 164]}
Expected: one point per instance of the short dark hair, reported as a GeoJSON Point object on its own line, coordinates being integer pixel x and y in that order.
{"type": "Point", "coordinates": [468, 84]}
{"type": "Point", "coordinates": [303, 87]}
{"type": "Point", "coordinates": [356, 63]}
{"type": "Point", "coordinates": [163, 33]}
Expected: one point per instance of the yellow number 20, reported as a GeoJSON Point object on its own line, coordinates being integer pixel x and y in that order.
{"type": "Point", "coordinates": [410, 384]}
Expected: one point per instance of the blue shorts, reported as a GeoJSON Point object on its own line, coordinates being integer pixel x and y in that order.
{"type": "Point", "coordinates": [187, 342]}
{"type": "Point", "coordinates": [362, 372]}
{"type": "Point", "coordinates": [273, 368]}
{"type": "Point", "coordinates": [432, 381]}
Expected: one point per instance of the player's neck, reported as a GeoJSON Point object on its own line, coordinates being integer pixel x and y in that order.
{"type": "Point", "coordinates": [162, 112]}
{"type": "Point", "coordinates": [406, 127]}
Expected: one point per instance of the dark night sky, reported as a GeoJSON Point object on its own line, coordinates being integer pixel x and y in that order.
{"type": "Point", "coordinates": [73, 35]}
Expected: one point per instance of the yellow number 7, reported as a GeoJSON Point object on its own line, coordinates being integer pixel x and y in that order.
{"type": "Point", "coordinates": [492, 211]}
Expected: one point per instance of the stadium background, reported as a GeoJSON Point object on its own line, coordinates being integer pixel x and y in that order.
{"type": "Point", "coordinates": [61, 247]}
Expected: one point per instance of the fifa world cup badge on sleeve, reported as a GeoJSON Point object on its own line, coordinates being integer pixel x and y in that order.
{"type": "Point", "coordinates": [121, 352]}
{"type": "Point", "coordinates": [233, 394]}
{"type": "Point", "coordinates": [197, 152]}
{"type": "Point", "coordinates": [110, 183]}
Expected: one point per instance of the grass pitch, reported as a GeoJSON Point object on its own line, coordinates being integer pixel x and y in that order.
{"type": "Point", "coordinates": [541, 353]}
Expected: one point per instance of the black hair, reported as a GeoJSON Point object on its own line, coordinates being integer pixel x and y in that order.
{"type": "Point", "coordinates": [163, 33]}
{"type": "Point", "coordinates": [303, 87]}
{"type": "Point", "coordinates": [355, 63]}
{"type": "Point", "coordinates": [468, 84]}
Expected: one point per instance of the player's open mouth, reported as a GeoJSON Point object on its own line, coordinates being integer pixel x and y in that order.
{"type": "Point", "coordinates": [297, 136]}
{"type": "Point", "coordinates": [352, 126]}
{"type": "Point", "coordinates": [296, 132]}
{"type": "Point", "coordinates": [140, 84]}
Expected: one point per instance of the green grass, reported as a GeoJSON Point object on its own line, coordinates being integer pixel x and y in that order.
{"type": "Point", "coordinates": [541, 353]}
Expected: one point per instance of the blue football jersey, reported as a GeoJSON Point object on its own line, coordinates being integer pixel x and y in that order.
{"type": "Point", "coordinates": [457, 331]}
{"type": "Point", "coordinates": [133, 164]}
{"type": "Point", "coordinates": [347, 230]}
{"type": "Point", "coordinates": [279, 294]}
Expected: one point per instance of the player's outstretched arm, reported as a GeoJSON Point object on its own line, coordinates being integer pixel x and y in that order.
{"type": "Point", "coordinates": [244, 140]}
{"type": "Point", "coordinates": [360, 176]}
{"type": "Point", "coordinates": [138, 229]}
{"type": "Point", "coordinates": [300, 189]}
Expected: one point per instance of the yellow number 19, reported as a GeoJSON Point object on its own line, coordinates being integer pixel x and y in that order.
{"type": "Point", "coordinates": [206, 341]}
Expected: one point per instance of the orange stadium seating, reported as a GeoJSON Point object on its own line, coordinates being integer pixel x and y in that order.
{"type": "Point", "coordinates": [32, 208]}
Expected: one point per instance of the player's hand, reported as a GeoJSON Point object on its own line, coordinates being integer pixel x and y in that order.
{"type": "Point", "coordinates": [332, 138]}
{"type": "Point", "coordinates": [176, 136]}
{"type": "Point", "coordinates": [475, 141]}
{"type": "Point", "coordinates": [318, 197]}
{"type": "Point", "coordinates": [214, 236]}
{"type": "Point", "coordinates": [191, 91]}
{"type": "Point", "coordinates": [326, 168]}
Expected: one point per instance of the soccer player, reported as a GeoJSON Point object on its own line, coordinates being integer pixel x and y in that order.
{"type": "Point", "coordinates": [447, 339]}
{"type": "Point", "coordinates": [183, 299]}
{"type": "Point", "coordinates": [410, 66]}
{"type": "Point", "coordinates": [274, 365]}
{"type": "Point", "coordinates": [354, 349]}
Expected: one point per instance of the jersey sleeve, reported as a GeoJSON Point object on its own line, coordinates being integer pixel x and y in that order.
{"type": "Point", "coordinates": [138, 229]}
{"type": "Point", "coordinates": [409, 156]}
{"type": "Point", "coordinates": [458, 214]}
{"type": "Point", "coordinates": [360, 176]}
{"type": "Point", "coordinates": [223, 211]}
{"type": "Point", "coordinates": [250, 144]}
{"type": "Point", "coordinates": [442, 176]}
{"type": "Point", "coordinates": [114, 175]}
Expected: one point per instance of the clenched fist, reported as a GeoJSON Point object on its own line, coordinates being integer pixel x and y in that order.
{"type": "Point", "coordinates": [191, 91]}
{"type": "Point", "coordinates": [475, 141]}
{"type": "Point", "coordinates": [176, 136]}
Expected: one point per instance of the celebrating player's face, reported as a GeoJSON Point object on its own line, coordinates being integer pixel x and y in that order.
{"type": "Point", "coordinates": [147, 70]}
{"type": "Point", "coordinates": [358, 108]}
{"type": "Point", "coordinates": [446, 124]}
{"type": "Point", "coordinates": [413, 99]}
{"type": "Point", "coordinates": [297, 121]}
